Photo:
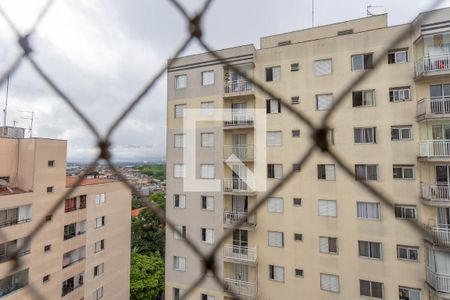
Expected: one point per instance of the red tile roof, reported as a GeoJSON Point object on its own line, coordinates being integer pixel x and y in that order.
{"type": "Point", "coordinates": [71, 180]}
{"type": "Point", "coordinates": [135, 212]}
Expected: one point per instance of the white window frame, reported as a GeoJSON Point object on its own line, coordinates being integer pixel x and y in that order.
{"type": "Point", "coordinates": [275, 205]}
{"type": "Point", "coordinates": [207, 108]}
{"type": "Point", "coordinates": [209, 202]}
{"type": "Point", "coordinates": [275, 239]}
{"type": "Point", "coordinates": [99, 222]}
{"type": "Point", "coordinates": [324, 245]}
{"type": "Point", "coordinates": [408, 250]}
{"type": "Point", "coordinates": [323, 67]}
{"type": "Point", "coordinates": [328, 98]}
{"type": "Point", "coordinates": [181, 200]}
{"type": "Point", "coordinates": [370, 254]}
{"type": "Point", "coordinates": [365, 211]}
{"type": "Point", "coordinates": [273, 106]}
{"type": "Point", "coordinates": [179, 170]}
{"type": "Point", "coordinates": [100, 198]}
{"type": "Point", "coordinates": [404, 209]}
{"type": "Point", "coordinates": [179, 84]}
{"type": "Point", "coordinates": [326, 209]}
{"type": "Point", "coordinates": [366, 135]}
{"type": "Point", "coordinates": [363, 66]}
{"type": "Point", "coordinates": [370, 290]}
{"type": "Point", "coordinates": [278, 273]}
{"type": "Point", "coordinates": [179, 263]}
{"type": "Point", "coordinates": [329, 170]}
{"type": "Point", "coordinates": [207, 171]}
{"type": "Point", "coordinates": [276, 73]}
{"type": "Point", "coordinates": [207, 77]}
{"type": "Point", "coordinates": [329, 282]}
{"type": "Point", "coordinates": [403, 168]}
{"type": "Point", "coordinates": [366, 173]}
{"type": "Point", "coordinates": [401, 133]}
{"type": "Point", "coordinates": [98, 293]}
{"type": "Point", "coordinates": [100, 269]}
{"type": "Point", "coordinates": [182, 229]}
{"type": "Point", "coordinates": [365, 101]}
{"type": "Point", "coordinates": [207, 139]}
{"type": "Point", "coordinates": [98, 246]}
{"type": "Point", "coordinates": [409, 290]}
{"type": "Point", "coordinates": [209, 235]}
{"type": "Point", "coordinates": [400, 94]}
{"type": "Point", "coordinates": [397, 59]}
{"type": "Point", "coordinates": [277, 171]}
{"type": "Point", "coordinates": [179, 111]}
{"type": "Point", "coordinates": [274, 138]}
{"type": "Point", "coordinates": [179, 140]}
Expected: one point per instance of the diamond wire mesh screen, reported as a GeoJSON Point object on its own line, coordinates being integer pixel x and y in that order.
{"type": "Point", "coordinates": [318, 140]}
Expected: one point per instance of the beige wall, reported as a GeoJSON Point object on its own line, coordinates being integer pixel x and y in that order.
{"type": "Point", "coordinates": [31, 158]}
{"type": "Point", "coordinates": [371, 36]}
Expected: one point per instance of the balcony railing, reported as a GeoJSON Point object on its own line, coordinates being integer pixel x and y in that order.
{"type": "Point", "coordinates": [230, 218]}
{"type": "Point", "coordinates": [441, 235]}
{"type": "Point", "coordinates": [15, 221]}
{"type": "Point", "coordinates": [238, 185]}
{"type": "Point", "coordinates": [434, 106]}
{"type": "Point", "coordinates": [242, 288]}
{"type": "Point", "coordinates": [238, 117]}
{"type": "Point", "coordinates": [239, 253]}
{"type": "Point", "coordinates": [433, 63]}
{"type": "Point", "coordinates": [243, 152]}
{"type": "Point", "coordinates": [435, 148]}
{"type": "Point", "coordinates": [68, 236]}
{"type": "Point", "coordinates": [440, 282]}
{"type": "Point", "coordinates": [238, 86]}
{"type": "Point", "coordinates": [435, 192]}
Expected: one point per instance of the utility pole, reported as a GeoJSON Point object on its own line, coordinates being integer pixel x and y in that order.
{"type": "Point", "coordinates": [5, 110]}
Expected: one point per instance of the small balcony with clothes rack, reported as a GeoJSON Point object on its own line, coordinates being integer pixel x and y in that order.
{"type": "Point", "coordinates": [434, 150]}
{"type": "Point", "coordinates": [433, 108]}
{"type": "Point", "coordinates": [237, 83]}
{"type": "Point", "coordinates": [432, 55]}
{"type": "Point", "coordinates": [435, 194]}
{"type": "Point", "coordinates": [239, 186]}
{"type": "Point", "coordinates": [231, 218]}
{"type": "Point", "coordinates": [440, 235]}
{"type": "Point", "coordinates": [244, 289]}
{"type": "Point", "coordinates": [238, 118]}
{"type": "Point", "coordinates": [243, 152]}
{"type": "Point", "coordinates": [240, 254]}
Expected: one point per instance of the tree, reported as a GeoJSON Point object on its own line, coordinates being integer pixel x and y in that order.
{"type": "Point", "coordinates": [147, 231]}
{"type": "Point", "coordinates": [147, 276]}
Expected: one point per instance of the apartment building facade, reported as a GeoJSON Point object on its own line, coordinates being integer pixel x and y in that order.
{"type": "Point", "coordinates": [82, 250]}
{"type": "Point", "coordinates": [322, 235]}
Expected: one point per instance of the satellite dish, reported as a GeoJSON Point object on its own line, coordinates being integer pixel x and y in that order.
{"type": "Point", "coordinates": [4, 183]}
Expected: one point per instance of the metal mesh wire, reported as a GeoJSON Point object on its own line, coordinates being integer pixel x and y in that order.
{"type": "Point", "coordinates": [194, 27]}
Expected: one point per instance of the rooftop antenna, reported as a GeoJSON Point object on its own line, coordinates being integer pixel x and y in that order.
{"type": "Point", "coordinates": [312, 13]}
{"type": "Point", "coordinates": [15, 122]}
{"type": "Point", "coordinates": [369, 13]}
{"type": "Point", "coordinates": [5, 110]}
{"type": "Point", "coordinates": [31, 118]}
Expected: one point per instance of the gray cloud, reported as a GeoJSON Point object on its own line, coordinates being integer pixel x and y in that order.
{"type": "Point", "coordinates": [101, 53]}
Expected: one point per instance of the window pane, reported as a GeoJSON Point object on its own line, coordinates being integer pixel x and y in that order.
{"type": "Point", "coordinates": [357, 62]}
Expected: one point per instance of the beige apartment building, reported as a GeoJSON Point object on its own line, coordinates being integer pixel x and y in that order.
{"type": "Point", "coordinates": [321, 236]}
{"type": "Point", "coordinates": [83, 248]}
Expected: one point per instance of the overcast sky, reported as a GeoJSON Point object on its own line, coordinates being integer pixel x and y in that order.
{"type": "Point", "coordinates": [102, 52]}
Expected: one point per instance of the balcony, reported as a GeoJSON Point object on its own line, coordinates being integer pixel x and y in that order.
{"type": "Point", "coordinates": [242, 288]}
{"type": "Point", "coordinates": [243, 152]}
{"type": "Point", "coordinates": [433, 65]}
{"type": "Point", "coordinates": [239, 186]}
{"type": "Point", "coordinates": [236, 119]}
{"type": "Point", "coordinates": [439, 282]}
{"type": "Point", "coordinates": [238, 88]}
{"type": "Point", "coordinates": [435, 108]}
{"type": "Point", "coordinates": [239, 254]}
{"type": "Point", "coordinates": [441, 235]}
{"type": "Point", "coordinates": [232, 218]}
{"type": "Point", "coordinates": [437, 195]}
{"type": "Point", "coordinates": [436, 150]}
